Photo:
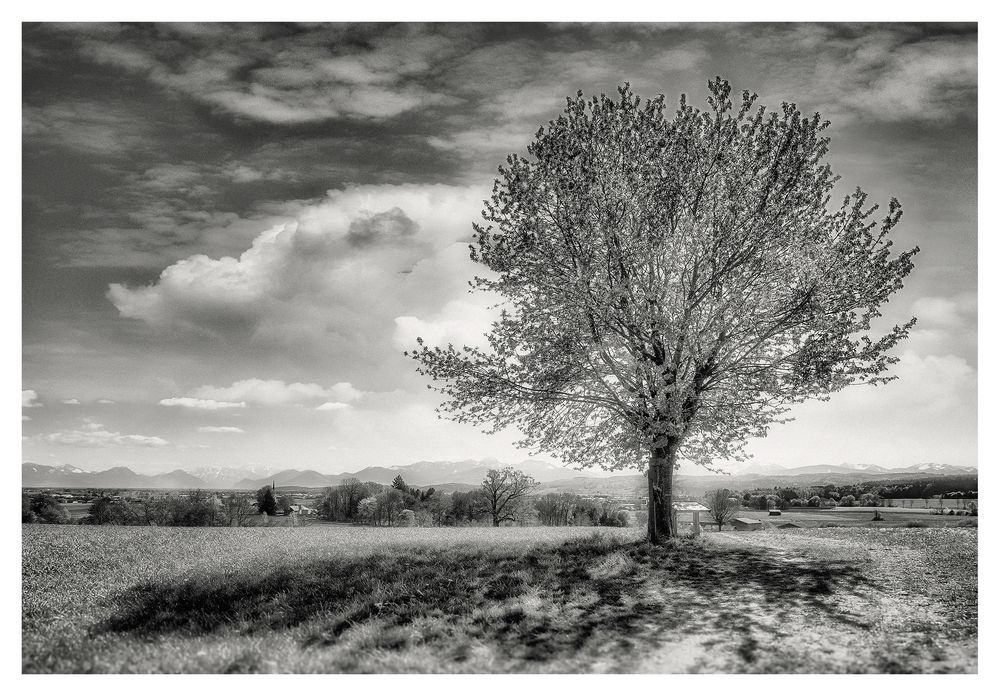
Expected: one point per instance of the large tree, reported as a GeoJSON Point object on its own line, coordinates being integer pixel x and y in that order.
{"type": "Point", "coordinates": [670, 285]}
{"type": "Point", "coordinates": [504, 491]}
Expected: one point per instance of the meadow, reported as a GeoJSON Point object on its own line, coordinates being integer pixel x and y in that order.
{"type": "Point", "coordinates": [531, 599]}
{"type": "Point", "coordinates": [859, 517]}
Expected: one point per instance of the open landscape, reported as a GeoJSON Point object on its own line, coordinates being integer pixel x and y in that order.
{"type": "Point", "coordinates": [354, 599]}
{"type": "Point", "coordinates": [500, 347]}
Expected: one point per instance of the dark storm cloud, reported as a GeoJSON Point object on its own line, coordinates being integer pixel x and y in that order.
{"type": "Point", "coordinates": [283, 112]}
{"type": "Point", "coordinates": [894, 72]}
{"type": "Point", "coordinates": [280, 74]}
{"type": "Point", "coordinates": [390, 226]}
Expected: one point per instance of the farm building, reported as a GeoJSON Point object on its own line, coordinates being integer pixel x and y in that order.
{"type": "Point", "coordinates": [747, 523]}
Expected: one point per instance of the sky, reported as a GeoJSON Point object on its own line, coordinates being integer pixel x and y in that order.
{"type": "Point", "coordinates": [231, 233]}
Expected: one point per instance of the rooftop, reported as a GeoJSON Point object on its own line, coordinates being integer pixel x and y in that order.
{"type": "Point", "coordinates": [690, 507]}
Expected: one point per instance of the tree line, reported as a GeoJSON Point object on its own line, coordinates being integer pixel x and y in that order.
{"type": "Point", "coordinates": [504, 497]}
{"type": "Point", "coordinates": [194, 509]}
{"type": "Point", "coordinates": [861, 494]}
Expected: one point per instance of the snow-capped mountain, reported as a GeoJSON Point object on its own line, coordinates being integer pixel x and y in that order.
{"type": "Point", "coordinates": [227, 477]}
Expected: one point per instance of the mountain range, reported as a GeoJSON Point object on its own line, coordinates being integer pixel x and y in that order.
{"type": "Point", "coordinates": [466, 474]}
{"type": "Point", "coordinates": [875, 469]}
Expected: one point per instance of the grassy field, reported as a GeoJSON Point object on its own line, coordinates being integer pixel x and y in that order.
{"type": "Point", "coordinates": [346, 599]}
{"type": "Point", "coordinates": [859, 517]}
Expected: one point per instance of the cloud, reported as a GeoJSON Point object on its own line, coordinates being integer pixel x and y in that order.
{"type": "Point", "coordinates": [271, 392]}
{"type": "Point", "coordinates": [313, 74]}
{"type": "Point", "coordinates": [95, 437]}
{"type": "Point", "coordinates": [242, 173]}
{"type": "Point", "coordinates": [71, 402]}
{"type": "Point", "coordinates": [29, 399]}
{"type": "Point", "coordinates": [945, 325]}
{"type": "Point", "coordinates": [159, 229]}
{"type": "Point", "coordinates": [459, 322]}
{"type": "Point", "coordinates": [878, 73]}
{"type": "Point", "coordinates": [329, 281]}
{"type": "Point", "coordinates": [87, 127]}
{"type": "Point", "coordinates": [220, 429]}
{"type": "Point", "coordinates": [926, 386]}
{"type": "Point", "coordinates": [945, 312]}
{"type": "Point", "coordinates": [391, 226]}
{"type": "Point", "coordinates": [204, 404]}
{"type": "Point", "coordinates": [922, 80]}
{"type": "Point", "coordinates": [332, 406]}
{"type": "Point", "coordinates": [105, 401]}
{"type": "Point", "coordinates": [522, 84]}
{"type": "Point", "coordinates": [927, 414]}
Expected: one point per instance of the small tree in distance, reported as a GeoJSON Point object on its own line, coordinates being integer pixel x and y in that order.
{"type": "Point", "coordinates": [236, 509]}
{"type": "Point", "coordinates": [503, 491]}
{"type": "Point", "coordinates": [670, 286]}
{"type": "Point", "coordinates": [722, 505]}
{"type": "Point", "coordinates": [266, 503]}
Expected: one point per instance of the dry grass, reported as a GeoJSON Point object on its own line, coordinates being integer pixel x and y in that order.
{"type": "Point", "coordinates": [341, 599]}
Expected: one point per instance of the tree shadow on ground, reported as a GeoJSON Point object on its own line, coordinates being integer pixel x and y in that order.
{"type": "Point", "coordinates": [530, 604]}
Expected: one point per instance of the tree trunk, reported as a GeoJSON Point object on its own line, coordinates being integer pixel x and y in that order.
{"type": "Point", "coordinates": [661, 523]}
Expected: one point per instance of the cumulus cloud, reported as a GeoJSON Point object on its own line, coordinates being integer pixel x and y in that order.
{"type": "Point", "coordinates": [29, 399]}
{"type": "Point", "coordinates": [220, 429]}
{"type": "Point", "coordinates": [105, 401]}
{"type": "Point", "coordinates": [332, 279]}
{"type": "Point", "coordinates": [271, 392]}
{"type": "Point", "coordinates": [387, 227]}
{"type": "Point", "coordinates": [71, 402]}
{"type": "Point", "coordinates": [204, 404]}
{"type": "Point", "coordinates": [97, 437]}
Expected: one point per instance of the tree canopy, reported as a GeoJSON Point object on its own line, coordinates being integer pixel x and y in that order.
{"type": "Point", "coordinates": [670, 285]}
{"type": "Point", "coordinates": [266, 502]}
{"type": "Point", "coordinates": [503, 492]}
{"type": "Point", "coordinates": [722, 505]}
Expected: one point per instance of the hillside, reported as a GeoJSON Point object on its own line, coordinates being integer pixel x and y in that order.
{"type": "Point", "coordinates": [465, 475]}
